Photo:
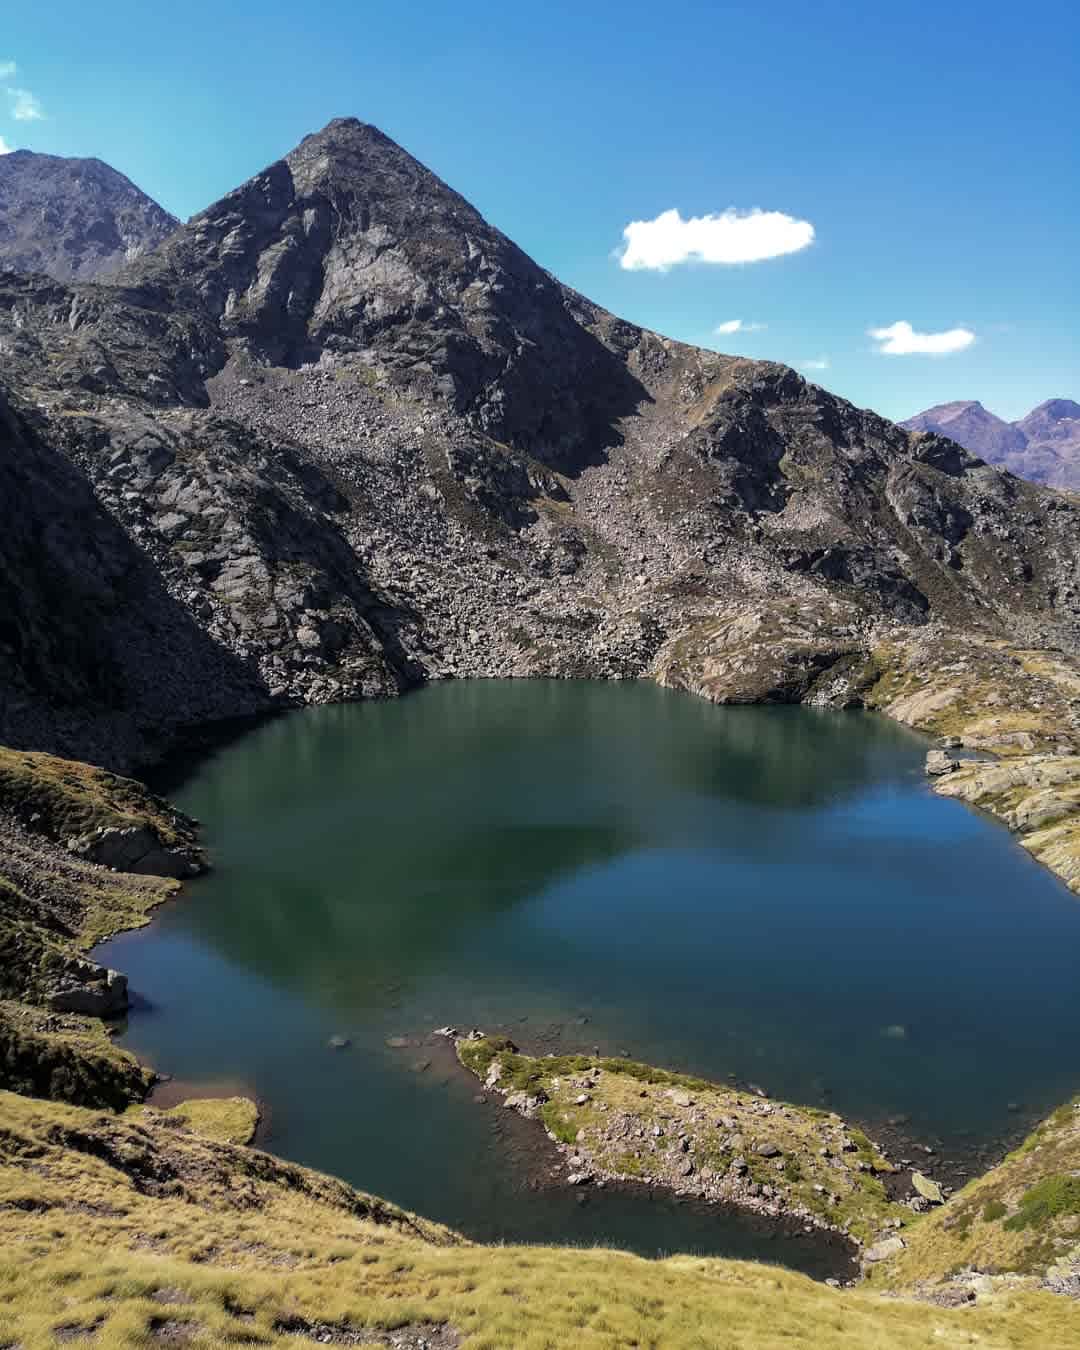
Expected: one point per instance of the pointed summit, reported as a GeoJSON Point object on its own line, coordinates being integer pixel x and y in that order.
{"type": "Point", "coordinates": [348, 248]}
{"type": "Point", "coordinates": [1053, 410]}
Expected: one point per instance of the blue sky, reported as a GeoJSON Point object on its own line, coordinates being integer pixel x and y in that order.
{"type": "Point", "coordinates": [930, 148]}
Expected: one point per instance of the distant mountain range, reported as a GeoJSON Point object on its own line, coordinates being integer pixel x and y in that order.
{"type": "Point", "coordinates": [1044, 446]}
{"type": "Point", "coordinates": [74, 219]}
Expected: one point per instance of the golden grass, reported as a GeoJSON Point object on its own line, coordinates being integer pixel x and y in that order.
{"type": "Point", "coordinates": [130, 1228]}
{"type": "Point", "coordinates": [229, 1120]}
{"type": "Point", "coordinates": [973, 1230]}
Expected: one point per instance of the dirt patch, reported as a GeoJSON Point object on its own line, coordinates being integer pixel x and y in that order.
{"type": "Point", "coordinates": [172, 1329]}
{"type": "Point", "coordinates": [413, 1336]}
{"type": "Point", "coordinates": [170, 1294]}
{"type": "Point", "coordinates": [172, 1091]}
{"type": "Point", "coordinates": [73, 1331]}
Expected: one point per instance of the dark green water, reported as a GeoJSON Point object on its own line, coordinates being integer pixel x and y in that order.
{"type": "Point", "coordinates": [762, 892]}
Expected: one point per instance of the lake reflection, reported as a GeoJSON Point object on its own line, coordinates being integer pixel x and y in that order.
{"type": "Point", "coordinates": [766, 892]}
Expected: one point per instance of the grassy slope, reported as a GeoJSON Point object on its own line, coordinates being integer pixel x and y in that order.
{"type": "Point", "coordinates": [134, 1227]}
{"type": "Point", "coordinates": [1021, 1218]}
{"type": "Point", "coordinates": [55, 800]}
{"type": "Point", "coordinates": [66, 1058]}
{"type": "Point", "coordinates": [71, 798]}
{"type": "Point", "coordinates": [53, 907]}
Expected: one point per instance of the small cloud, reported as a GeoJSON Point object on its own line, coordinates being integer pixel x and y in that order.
{"type": "Point", "coordinates": [900, 339]}
{"type": "Point", "coordinates": [24, 106]}
{"type": "Point", "coordinates": [730, 237]}
{"type": "Point", "coordinates": [822, 363]}
{"type": "Point", "coordinates": [737, 326]}
{"type": "Point", "coordinates": [8, 70]}
{"type": "Point", "coordinates": [5, 149]}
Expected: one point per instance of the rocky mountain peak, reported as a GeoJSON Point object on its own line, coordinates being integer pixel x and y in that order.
{"type": "Point", "coordinates": [1053, 410]}
{"type": "Point", "coordinates": [349, 250]}
{"type": "Point", "coordinates": [971, 425]}
{"type": "Point", "coordinates": [74, 219]}
{"type": "Point", "coordinates": [361, 439]}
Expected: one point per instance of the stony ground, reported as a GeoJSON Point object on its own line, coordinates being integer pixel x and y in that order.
{"type": "Point", "coordinates": [615, 1120]}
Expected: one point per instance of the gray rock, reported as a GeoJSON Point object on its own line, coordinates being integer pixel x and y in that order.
{"type": "Point", "coordinates": [525, 1103]}
{"type": "Point", "coordinates": [106, 996]}
{"type": "Point", "coordinates": [881, 1251]}
{"type": "Point", "coordinates": [929, 1190]}
{"type": "Point", "coordinates": [137, 849]}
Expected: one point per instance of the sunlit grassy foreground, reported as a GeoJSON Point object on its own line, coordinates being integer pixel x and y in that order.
{"type": "Point", "coordinates": [142, 1231]}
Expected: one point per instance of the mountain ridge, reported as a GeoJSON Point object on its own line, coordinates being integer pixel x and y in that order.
{"type": "Point", "coordinates": [364, 441]}
{"type": "Point", "coordinates": [1044, 446]}
{"type": "Point", "coordinates": [73, 219]}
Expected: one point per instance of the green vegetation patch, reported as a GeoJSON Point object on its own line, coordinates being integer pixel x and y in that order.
{"type": "Point", "coordinates": [1046, 1200]}
{"type": "Point", "coordinates": [63, 798]}
{"type": "Point", "coordinates": [75, 1063]}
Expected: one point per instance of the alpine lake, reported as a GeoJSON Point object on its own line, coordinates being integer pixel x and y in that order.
{"type": "Point", "coordinates": [765, 895]}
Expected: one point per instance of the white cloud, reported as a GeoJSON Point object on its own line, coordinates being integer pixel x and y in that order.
{"type": "Point", "coordinates": [8, 70]}
{"type": "Point", "coordinates": [731, 237]}
{"type": "Point", "coordinates": [822, 363]}
{"type": "Point", "coordinates": [24, 106]}
{"type": "Point", "coordinates": [5, 149]}
{"type": "Point", "coordinates": [737, 326]}
{"type": "Point", "coordinates": [900, 339]}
